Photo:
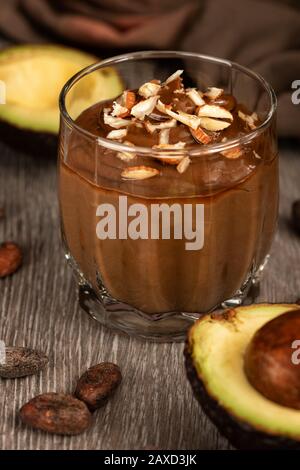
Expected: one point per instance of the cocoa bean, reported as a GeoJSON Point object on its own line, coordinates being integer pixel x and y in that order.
{"type": "Point", "coordinates": [98, 384]}
{"type": "Point", "coordinates": [10, 258]}
{"type": "Point", "coordinates": [56, 413]}
{"type": "Point", "coordinates": [20, 362]}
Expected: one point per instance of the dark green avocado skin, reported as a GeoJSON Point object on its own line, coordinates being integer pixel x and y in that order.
{"type": "Point", "coordinates": [37, 144]}
{"type": "Point", "coordinates": [240, 435]}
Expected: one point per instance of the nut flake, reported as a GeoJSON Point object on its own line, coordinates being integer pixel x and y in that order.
{"type": "Point", "coordinates": [173, 77]}
{"type": "Point", "coordinates": [115, 122]}
{"type": "Point", "coordinates": [118, 110]}
{"type": "Point", "coordinates": [183, 165]}
{"type": "Point", "coordinates": [213, 93]}
{"type": "Point", "coordinates": [213, 111]}
{"type": "Point", "coordinates": [249, 119]}
{"type": "Point", "coordinates": [214, 124]}
{"type": "Point", "coordinates": [139, 173]}
{"type": "Point", "coordinates": [127, 156]}
{"type": "Point", "coordinates": [170, 157]}
{"type": "Point", "coordinates": [256, 155]}
{"type": "Point", "coordinates": [162, 125]}
{"type": "Point", "coordinates": [117, 134]}
{"type": "Point", "coordinates": [195, 96]}
{"type": "Point", "coordinates": [189, 120]}
{"type": "Point", "coordinates": [144, 108]}
{"type": "Point", "coordinates": [233, 153]}
{"type": "Point", "coordinates": [129, 99]}
{"type": "Point", "coordinates": [149, 89]}
{"type": "Point", "coordinates": [200, 136]}
{"type": "Point", "coordinates": [164, 136]}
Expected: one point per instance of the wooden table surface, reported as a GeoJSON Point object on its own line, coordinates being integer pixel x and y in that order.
{"type": "Point", "coordinates": [154, 406]}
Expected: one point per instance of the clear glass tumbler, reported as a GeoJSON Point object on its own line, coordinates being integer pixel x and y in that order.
{"type": "Point", "coordinates": [143, 281]}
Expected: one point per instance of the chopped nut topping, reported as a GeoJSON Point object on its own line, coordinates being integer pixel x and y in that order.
{"type": "Point", "coordinates": [117, 134]}
{"type": "Point", "coordinates": [115, 122]}
{"type": "Point", "coordinates": [200, 136]}
{"type": "Point", "coordinates": [213, 111]}
{"type": "Point", "coordinates": [169, 157]}
{"type": "Point", "coordinates": [213, 93]}
{"type": "Point", "coordinates": [233, 153]}
{"type": "Point", "coordinates": [163, 125]}
{"type": "Point", "coordinates": [256, 155]}
{"type": "Point", "coordinates": [128, 100]}
{"type": "Point", "coordinates": [195, 96]}
{"type": "Point", "coordinates": [183, 165]}
{"type": "Point", "coordinates": [149, 89]}
{"type": "Point", "coordinates": [214, 124]}
{"type": "Point", "coordinates": [178, 145]}
{"type": "Point", "coordinates": [127, 156]}
{"type": "Point", "coordinates": [189, 120]}
{"type": "Point", "coordinates": [144, 108]}
{"type": "Point", "coordinates": [118, 110]}
{"type": "Point", "coordinates": [249, 119]}
{"type": "Point", "coordinates": [164, 136]}
{"type": "Point", "coordinates": [155, 108]}
{"type": "Point", "coordinates": [139, 173]}
{"type": "Point", "coordinates": [173, 76]}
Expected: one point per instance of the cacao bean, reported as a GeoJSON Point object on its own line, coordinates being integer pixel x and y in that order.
{"type": "Point", "coordinates": [20, 362]}
{"type": "Point", "coordinates": [98, 384]}
{"type": "Point", "coordinates": [10, 258]}
{"type": "Point", "coordinates": [56, 413]}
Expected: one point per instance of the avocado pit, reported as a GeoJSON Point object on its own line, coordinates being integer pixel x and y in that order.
{"type": "Point", "coordinates": [268, 362]}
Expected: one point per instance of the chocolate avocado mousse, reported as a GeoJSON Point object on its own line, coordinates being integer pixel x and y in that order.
{"type": "Point", "coordinates": [190, 163]}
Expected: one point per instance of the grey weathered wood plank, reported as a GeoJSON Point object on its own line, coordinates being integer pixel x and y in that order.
{"type": "Point", "coordinates": [38, 308]}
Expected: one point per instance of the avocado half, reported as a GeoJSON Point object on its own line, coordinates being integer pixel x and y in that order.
{"type": "Point", "coordinates": [214, 357]}
{"type": "Point", "coordinates": [31, 77]}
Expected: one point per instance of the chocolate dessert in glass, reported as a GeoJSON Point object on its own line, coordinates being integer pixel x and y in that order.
{"type": "Point", "coordinates": [168, 188]}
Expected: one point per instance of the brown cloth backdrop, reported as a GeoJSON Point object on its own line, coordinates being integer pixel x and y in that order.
{"type": "Point", "coordinates": [261, 34]}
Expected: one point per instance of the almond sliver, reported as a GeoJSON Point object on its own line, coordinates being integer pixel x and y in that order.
{"type": "Point", "coordinates": [233, 153]}
{"type": "Point", "coordinates": [139, 173]}
{"type": "Point", "coordinates": [214, 125]}
{"type": "Point", "coordinates": [213, 93]}
{"type": "Point", "coordinates": [162, 125]}
{"type": "Point", "coordinates": [189, 120]}
{"type": "Point", "coordinates": [127, 156]}
{"type": "Point", "coordinates": [183, 165]}
{"type": "Point", "coordinates": [117, 134]}
{"type": "Point", "coordinates": [200, 136]}
{"type": "Point", "coordinates": [250, 120]}
{"type": "Point", "coordinates": [195, 96]}
{"type": "Point", "coordinates": [213, 111]}
{"type": "Point", "coordinates": [118, 110]}
{"type": "Point", "coordinates": [115, 122]}
{"type": "Point", "coordinates": [173, 76]}
{"type": "Point", "coordinates": [178, 145]}
{"type": "Point", "coordinates": [129, 99]}
{"type": "Point", "coordinates": [164, 136]}
{"type": "Point", "coordinates": [144, 108]}
{"type": "Point", "coordinates": [149, 89]}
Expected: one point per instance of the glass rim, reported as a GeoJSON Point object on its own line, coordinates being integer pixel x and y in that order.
{"type": "Point", "coordinates": [149, 151]}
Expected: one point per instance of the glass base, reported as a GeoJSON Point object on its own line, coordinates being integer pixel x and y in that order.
{"type": "Point", "coordinates": [164, 327]}
{"type": "Point", "coordinates": [159, 327]}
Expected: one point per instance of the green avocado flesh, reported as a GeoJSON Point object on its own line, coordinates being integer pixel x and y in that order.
{"type": "Point", "coordinates": [217, 345]}
{"type": "Point", "coordinates": [33, 78]}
